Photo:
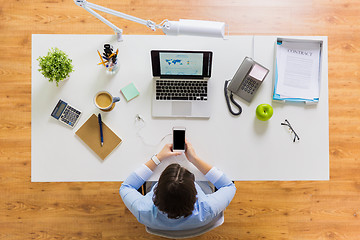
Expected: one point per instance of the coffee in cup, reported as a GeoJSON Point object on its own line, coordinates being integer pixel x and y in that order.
{"type": "Point", "coordinates": [105, 101]}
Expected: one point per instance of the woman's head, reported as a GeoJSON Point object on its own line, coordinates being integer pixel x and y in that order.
{"type": "Point", "coordinates": [175, 193]}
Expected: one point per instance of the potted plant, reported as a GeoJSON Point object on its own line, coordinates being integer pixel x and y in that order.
{"type": "Point", "coordinates": [55, 66]}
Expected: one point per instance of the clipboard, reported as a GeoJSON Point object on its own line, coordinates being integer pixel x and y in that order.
{"type": "Point", "coordinates": [89, 133]}
{"type": "Point", "coordinates": [276, 96]}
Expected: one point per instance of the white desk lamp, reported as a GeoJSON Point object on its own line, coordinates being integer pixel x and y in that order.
{"type": "Point", "coordinates": [182, 27]}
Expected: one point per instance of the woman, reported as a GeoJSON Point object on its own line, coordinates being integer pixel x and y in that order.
{"type": "Point", "coordinates": [176, 202]}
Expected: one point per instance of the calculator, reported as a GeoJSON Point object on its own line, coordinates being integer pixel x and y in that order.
{"type": "Point", "coordinates": [66, 113]}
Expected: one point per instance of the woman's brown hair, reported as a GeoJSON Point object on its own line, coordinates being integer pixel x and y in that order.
{"type": "Point", "coordinates": [175, 193]}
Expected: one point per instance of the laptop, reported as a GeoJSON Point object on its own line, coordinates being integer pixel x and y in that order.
{"type": "Point", "coordinates": [180, 83]}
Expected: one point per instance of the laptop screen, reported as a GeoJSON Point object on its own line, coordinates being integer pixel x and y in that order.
{"type": "Point", "coordinates": [181, 64]}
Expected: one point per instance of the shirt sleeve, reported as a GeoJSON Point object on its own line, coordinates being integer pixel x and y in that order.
{"type": "Point", "coordinates": [214, 175]}
{"type": "Point", "coordinates": [220, 199]}
{"type": "Point", "coordinates": [144, 172]}
{"type": "Point", "coordinates": [128, 190]}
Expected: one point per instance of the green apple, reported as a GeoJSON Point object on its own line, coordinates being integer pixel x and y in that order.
{"type": "Point", "coordinates": [264, 112]}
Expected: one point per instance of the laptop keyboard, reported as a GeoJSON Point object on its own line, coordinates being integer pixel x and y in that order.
{"type": "Point", "coordinates": [181, 90]}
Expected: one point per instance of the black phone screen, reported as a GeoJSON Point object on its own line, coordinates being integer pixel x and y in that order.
{"type": "Point", "coordinates": [179, 139]}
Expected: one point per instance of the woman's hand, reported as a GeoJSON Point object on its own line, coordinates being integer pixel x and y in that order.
{"type": "Point", "coordinates": [195, 160]}
{"type": "Point", "coordinates": [167, 152]}
{"type": "Point", "coordinates": [190, 152]}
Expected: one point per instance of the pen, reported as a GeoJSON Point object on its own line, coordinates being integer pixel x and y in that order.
{"type": "Point", "coordinates": [101, 131]}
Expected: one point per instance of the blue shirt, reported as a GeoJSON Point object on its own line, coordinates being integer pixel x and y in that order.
{"type": "Point", "coordinates": [206, 208]}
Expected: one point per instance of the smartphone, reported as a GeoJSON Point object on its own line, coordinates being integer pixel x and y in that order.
{"type": "Point", "coordinates": [178, 139]}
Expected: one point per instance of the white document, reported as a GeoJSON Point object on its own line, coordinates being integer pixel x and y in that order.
{"type": "Point", "coordinates": [298, 70]}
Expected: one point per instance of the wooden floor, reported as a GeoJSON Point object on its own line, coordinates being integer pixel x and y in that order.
{"type": "Point", "coordinates": [260, 210]}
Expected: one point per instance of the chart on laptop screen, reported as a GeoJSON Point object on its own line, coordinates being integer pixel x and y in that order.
{"type": "Point", "coordinates": [181, 63]}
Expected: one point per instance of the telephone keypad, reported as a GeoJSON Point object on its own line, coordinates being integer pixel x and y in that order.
{"type": "Point", "coordinates": [249, 85]}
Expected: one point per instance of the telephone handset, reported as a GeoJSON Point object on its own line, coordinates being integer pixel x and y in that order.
{"type": "Point", "coordinates": [245, 82]}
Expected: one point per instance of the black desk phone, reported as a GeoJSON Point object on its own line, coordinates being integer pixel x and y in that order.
{"type": "Point", "coordinates": [245, 82]}
{"type": "Point", "coordinates": [247, 79]}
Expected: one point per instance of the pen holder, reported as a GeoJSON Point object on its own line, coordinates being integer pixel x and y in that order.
{"type": "Point", "coordinates": [112, 67]}
{"type": "Point", "coordinates": [109, 59]}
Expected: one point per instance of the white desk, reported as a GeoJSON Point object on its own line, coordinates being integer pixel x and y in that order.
{"type": "Point", "coordinates": [243, 147]}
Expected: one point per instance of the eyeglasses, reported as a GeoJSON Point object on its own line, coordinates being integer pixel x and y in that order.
{"type": "Point", "coordinates": [286, 123]}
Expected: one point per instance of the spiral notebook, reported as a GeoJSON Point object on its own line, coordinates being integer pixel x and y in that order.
{"type": "Point", "coordinates": [89, 133]}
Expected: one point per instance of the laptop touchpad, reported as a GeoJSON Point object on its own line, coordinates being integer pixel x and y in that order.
{"type": "Point", "coordinates": [181, 108]}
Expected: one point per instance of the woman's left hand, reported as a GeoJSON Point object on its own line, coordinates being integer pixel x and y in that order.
{"type": "Point", "coordinates": [167, 152]}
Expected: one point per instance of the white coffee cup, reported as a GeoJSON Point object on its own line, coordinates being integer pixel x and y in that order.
{"type": "Point", "coordinates": [105, 101]}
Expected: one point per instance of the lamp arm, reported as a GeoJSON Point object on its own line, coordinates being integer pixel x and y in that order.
{"type": "Point", "coordinates": [117, 30]}
{"type": "Point", "coordinates": [120, 14]}
{"type": "Point", "coordinates": [90, 6]}
{"type": "Point", "coordinates": [182, 27]}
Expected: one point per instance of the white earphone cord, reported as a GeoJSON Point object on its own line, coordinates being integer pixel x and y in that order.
{"type": "Point", "coordinates": [139, 119]}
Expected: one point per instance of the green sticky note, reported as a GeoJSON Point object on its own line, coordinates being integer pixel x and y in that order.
{"type": "Point", "coordinates": [130, 92]}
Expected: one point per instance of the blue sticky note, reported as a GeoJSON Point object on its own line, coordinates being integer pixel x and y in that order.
{"type": "Point", "coordinates": [130, 91]}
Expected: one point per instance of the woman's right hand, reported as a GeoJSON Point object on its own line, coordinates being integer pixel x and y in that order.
{"type": "Point", "coordinates": [203, 166]}
{"type": "Point", "coordinates": [190, 152]}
